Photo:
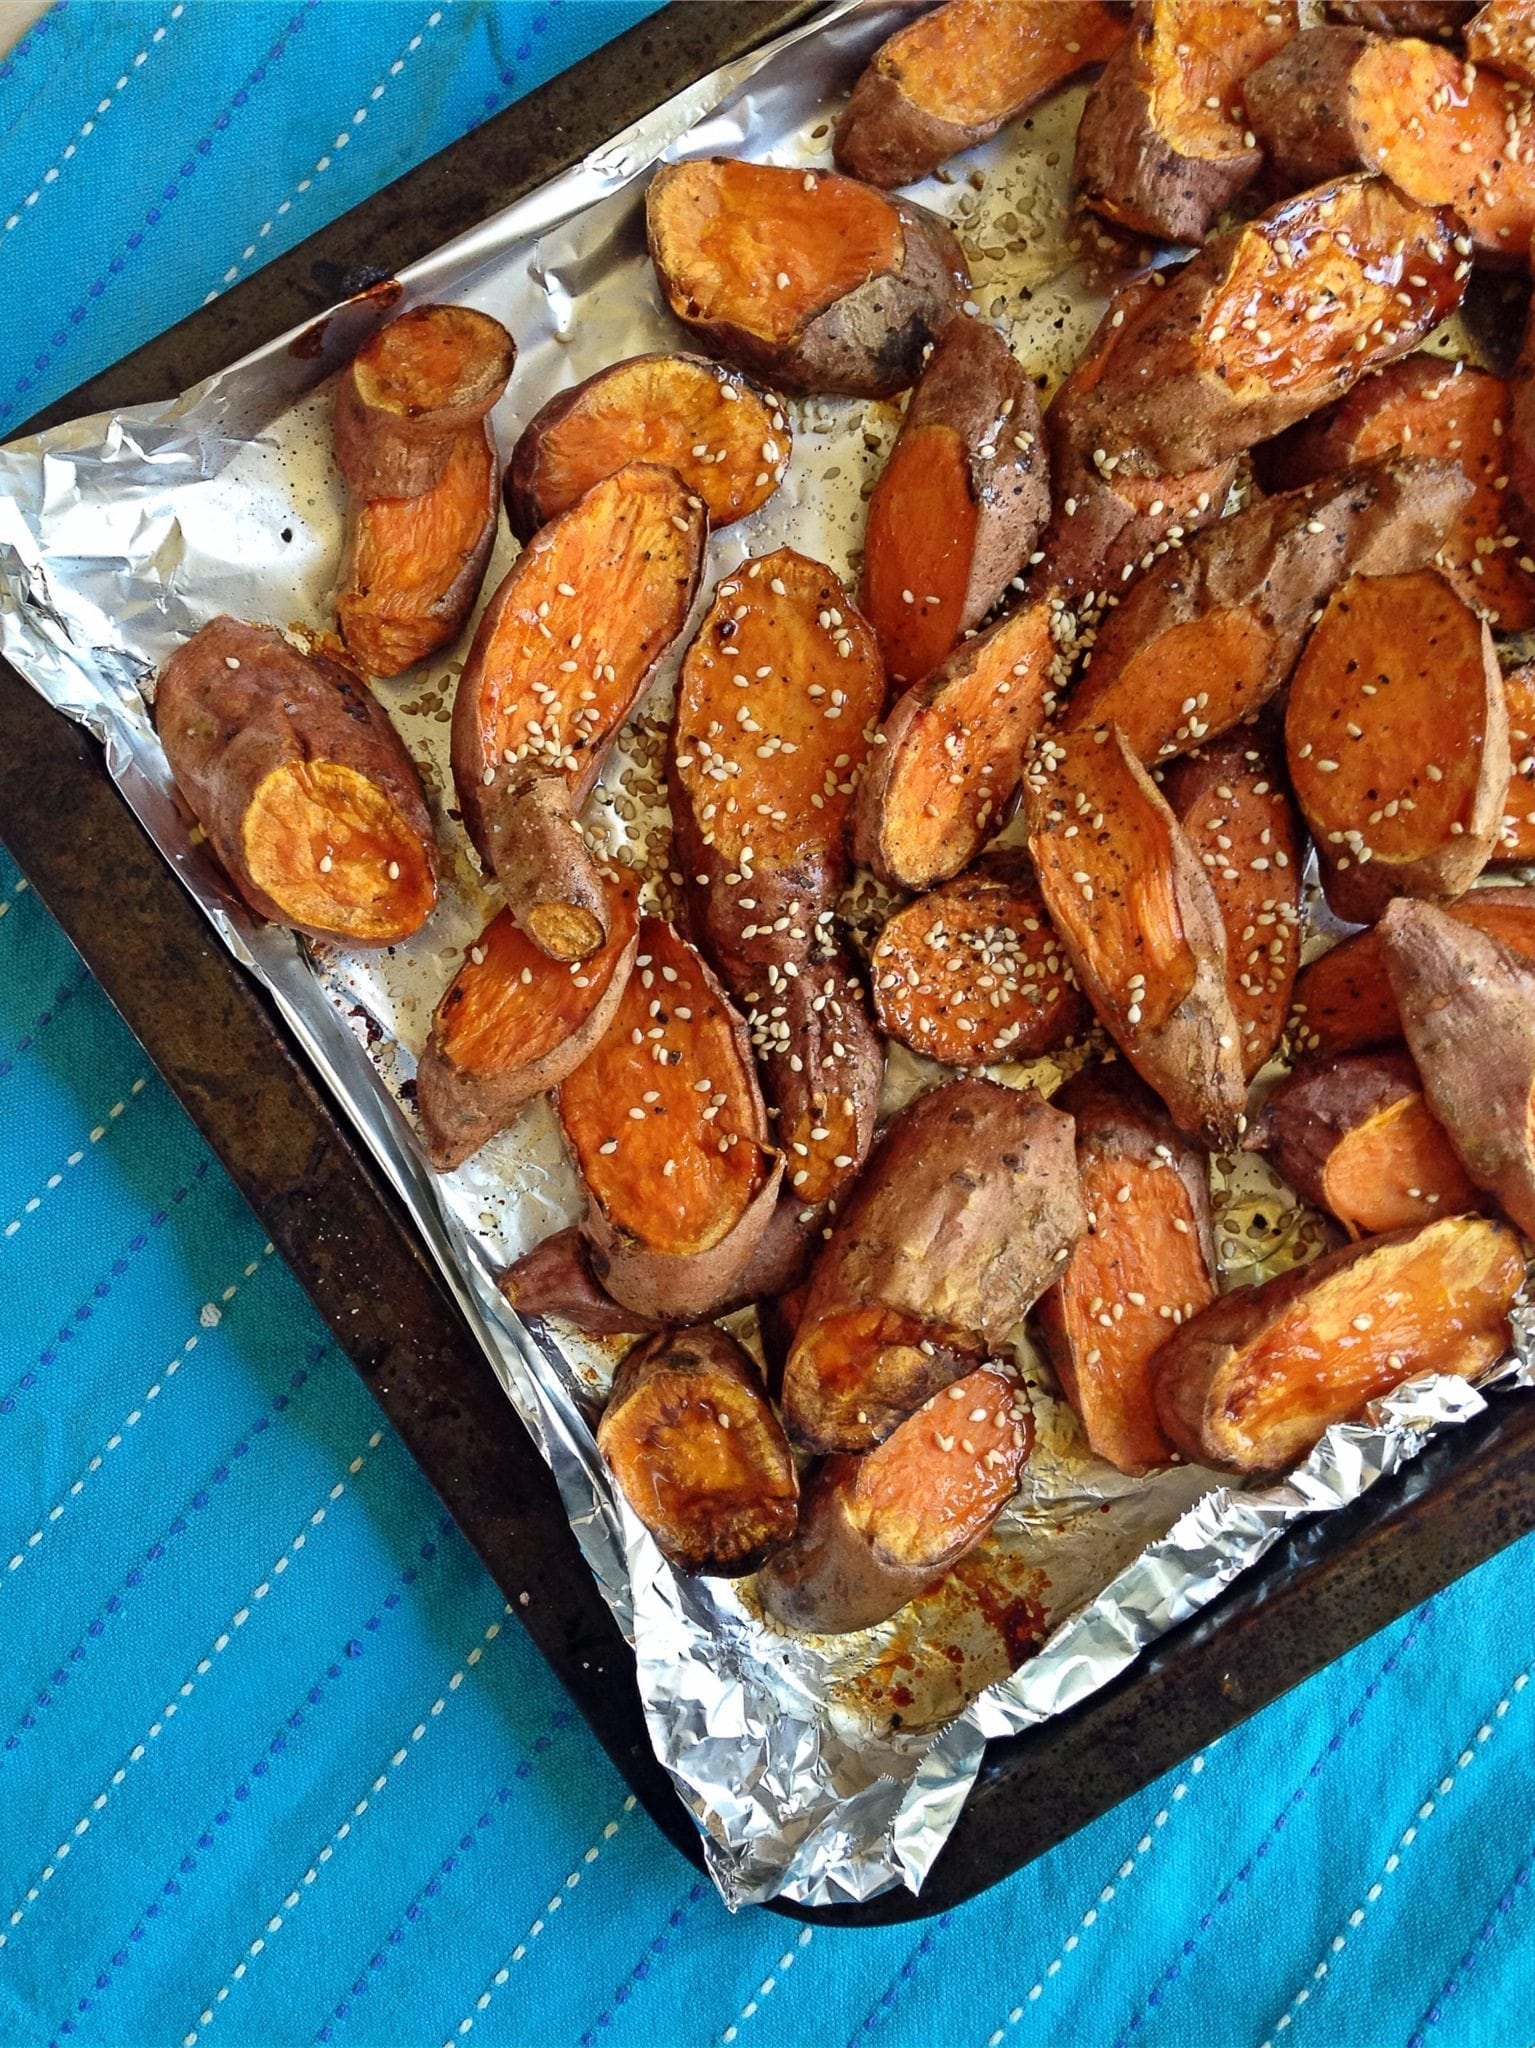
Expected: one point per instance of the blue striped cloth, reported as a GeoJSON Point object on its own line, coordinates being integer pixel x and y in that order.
{"type": "Point", "coordinates": [276, 1766]}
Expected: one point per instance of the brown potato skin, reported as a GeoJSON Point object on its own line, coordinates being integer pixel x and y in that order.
{"type": "Point", "coordinates": [867, 344]}
{"type": "Point", "coordinates": [1468, 1012]}
{"type": "Point", "coordinates": [969, 1204]}
{"type": "Point", "coordinates": [384, 454]}
{"type": "Point", "coordinates": [1159, 409]}
{"type": "Point", "coordinates": [1426, 18]}
{"type": "Point", "coordinates": [556, 1279]}
{"type": "Point", "coordinates": [707, 1356]}
{"type": "Point", "coordinates": [1186, 1371]}
{"type": "Point", "coordinates": [224, 730]}
{"type": "Point", "coordinates": [1521, 437]}
{"type": "Point", "coordinates": [1377, 519]}
{"type": "Point", "coordinates": [1299, 106]}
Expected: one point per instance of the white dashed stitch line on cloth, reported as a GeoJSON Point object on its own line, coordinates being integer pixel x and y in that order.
{"type": "Point", "coordinates": [98, 1132]}
{"type": "Point", "coordinates": [188, 1686]}
{"type": "Point", "coordinates": [769, 1984]}
{"type": "Point", "coordinates": [536, 1928]}
{"type": "Point", "coordinates": [130, 1421]}
{"type": "Point", "coordinates": [278, 1919]}
{"type": "Point", "coordinates": [1404, 1840]}
{"type": "Point", "coordinates": [87, 127]}
{"type": "Point", "coordinates": [20, 890]}
{"type": "Point", "coordinates": [323, 163]}
{"type": "Point", "coordinates": [1126, 1869]}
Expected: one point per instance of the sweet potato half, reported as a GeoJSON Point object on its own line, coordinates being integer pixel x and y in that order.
{"type": "Point", "coordinates": [959, 504]}
{"type": "Point", "coordinates": [695, 1448]}
{"type": "Point", "coordinates": [1140, 921]}
{"type": "Point", "coordinates": [973, 972]}
{"type": "Point", "coordinates": [1252, 1383]}
{"type": "Point", "coordinates": [1397, 736]}
{"type": "Point", "coordinates": [513, 1023]}
{"type": "Point", "coordinates": [724, 435]}
{"type": "Point", "coordinates": [1210, 633]}
{"type": "Point", "coordinates": [876, 1531]}
{"type": "Point", "coordinates": [962, 1218]}
{"type": "Point", "coordinates": [409, 393]}
{"type": "Point", "coordinates": [949, 759]}
{"type": "Point", "coordinates": [958, 74]}
{"type": "Point", "coordinates": [1468, 1011]}
{"type": "Point", "coordinates": [1146, 1265]}
{"type": "Point", "coordinates": [1502, 36]}
{"type": "Point", "coordinates": [302, 785]}
{"type": "Point", "coordinates": [1343, 1000]}
{"type": "Point", "coordinates": [562, 655]}
{"type": "Point", "coordinates": [1163, 145]}
{"type": "Point", "coordinates": [816, 282]}
{"type": "Point", "coordinates": [1270, 322]}
{"type": "Point", "coordinates": [1232, 800]}
{"type": "Point", "coordinates": [667, 1125]}
{"type": "Point", "coordinates": [1354, 1136]}
{"type": "Point", "coordinates": [1425, 406]}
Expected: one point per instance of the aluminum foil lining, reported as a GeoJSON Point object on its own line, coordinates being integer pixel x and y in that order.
{"type": "Point", "coordinates": [819, 1770]}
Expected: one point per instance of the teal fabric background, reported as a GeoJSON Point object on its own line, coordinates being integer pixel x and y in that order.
{"type": "Point", "coordinates": [276, 1765]}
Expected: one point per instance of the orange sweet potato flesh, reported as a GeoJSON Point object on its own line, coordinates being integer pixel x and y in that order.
{"type": "Point", "coordinates": [563, 652]}
{"type": "Point", "coordinates": [512, 1024]}
{"type": "Point", "coordinates": [1233, 803]}
{"type": "Point", "coordinates": [1253, 1382]}
{"type": "Point", "coordinates": [1137, 915]}
{"type": "Point", "coordinates": [815, 281]}
{"type": "Point", "coordinates": [870, 1366]}
{"type": "Point", "coordinates": [1502, 36]}
{"type": "Point", "coordinates": [304, 788]}
{"type": "Point", "coordinates": [959, 504]}
{"type": "Point", "coordinates": [410, 391]}
{"type": "Point", "coordinates": [973, 972]}
{"type": "Point", "coordinates": [1517, 840]}
{"type": "Point", "coordinates": [1354, 1136]}
{"type": "Point", "coordinates": [1146, 1264]}
{"type": "Point", "coordinates": [958, 74]}
{"type": "Point", "coordinates": [670, 1135]}
{"type": "Point", "coordinates": [1343, 1000]}
{"type": "Point", "coordinates": [1163, 145]}
{"type": "Point", "coordinates": [944, 779]}
{"type": "Point", "coordinates": [877, 1530]}
{"type": "Point", "coordinates": [698, 1453]}
{"type": "Point", "coordinates": [724, 436]}
{"type": "Point", "coordinates": [1399, 678]}
{"type": "Point", "coordinates": [414, 565]}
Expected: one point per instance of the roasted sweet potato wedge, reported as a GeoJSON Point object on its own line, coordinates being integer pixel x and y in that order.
{"type": "Point", "coordinates": [1210, 633]}
{"type": "Point", "coordinates": [1234, 806]}
{"type": "Point", "coordinates": [1141, 924]}
{"type": "Point", "coordinates": [1269, 323]}
{"type": "Point", "coordinates": [876, 1531]}
{"type": "Point", "coordinates": [667, 1125]}
{"type": "Point", "coordinates": [780, 690]}
{"type": "Point", "coordinates": [959, 504]}
{"type": "Point", "coordinates": [1299, 105]}
{"type": "Point", "coordinates": [1354, 1136]}
{"type": "Point", "coordinates": [1397, 736]}
{"type": "Point", "coordinates": [1343, 1000]}
{"type": "Point", "coordinates": [695, 1449]}
{"type": "Point", "coordinates": [1468, 1011]}
{"type": "Point", "coordinates": [513, 1024]}
{"type": "Point", "coordinates": [1502, 36]}
{"type": "Point", "coordinates": [562, 655]}
{"type": "Point", "coordinates": [302, 785]}
{"type": "Point", "coordinates": [1253, 1382]}
{"type": "Point", "coordinates": [967, 1209]}
{"type": "Point", "coordinates": [1163, 146]}
{"type": "Point", "coordinates": [556, 1279]}
{"type": "Point", "coordinates": [815, 282]}
{"type": "Point", "coordinates": [1145, 1266]}
{"type": "Point", "coordinates": [414, 566]}
{"type": "Point", "coordinates": [955, 76]}
{"type": "Point", "coordinates": [725, 437]}
{"type": "Point", "coordinates": [1516, 841]}
{"type": "Point", "coordinates": [409, 393]}
{"type": "Point", "coordinates": [973, 972]}
{"type": "Point", "coordinates": [950, 756]}
{"type": "Point", "coordinates": [1425, 406]}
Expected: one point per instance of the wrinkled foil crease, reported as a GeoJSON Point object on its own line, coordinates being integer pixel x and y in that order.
{"type": "Point", "coordinates": [822, 1771]}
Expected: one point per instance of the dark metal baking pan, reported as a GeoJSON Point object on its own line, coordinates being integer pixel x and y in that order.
{"type": "Point", "coordinates": [221, 1047]}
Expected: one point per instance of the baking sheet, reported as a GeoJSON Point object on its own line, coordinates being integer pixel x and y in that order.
{"type": "Point", "coordinates": [821, 1771]}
